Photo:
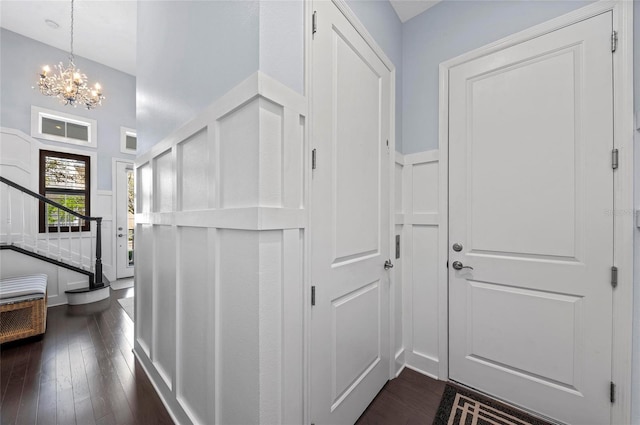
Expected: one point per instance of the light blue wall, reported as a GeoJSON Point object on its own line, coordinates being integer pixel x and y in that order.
{"type": "Point", "coordinates": [445, 31]}
{"type": "Point", "coordinates": [21, 59]}
{"type": "Point", "coordinates": [281, 41]}
{"type": "Point", "coordinates": [189, 54]}
{"type": "Point", "coordinates": [220, 43]}
{"type": "Point", "coordinates": [385, 27]}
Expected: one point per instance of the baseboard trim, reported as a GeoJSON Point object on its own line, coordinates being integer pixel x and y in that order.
{"type": "Point", "coordinates": [425, 373]}
{"type": "Point", "coordinates": [146, 364]}
{"type": "Point", "coordinates": [399, 361]}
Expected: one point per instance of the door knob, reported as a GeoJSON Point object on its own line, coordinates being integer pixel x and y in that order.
{"type": "Point", "coordinates": [459, 266]}
{"type": "Point", "coordinates": [120, 235]}
{"type": "Point", "coordinates": [388, 265]}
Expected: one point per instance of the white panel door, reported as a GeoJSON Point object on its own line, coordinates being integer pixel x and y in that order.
{"type": "Point", "coordinates": [124, 219]}
{"type": "Point", "coordinates": [350, 221]}
{"type": "Point", "coordinates": [531, 196]}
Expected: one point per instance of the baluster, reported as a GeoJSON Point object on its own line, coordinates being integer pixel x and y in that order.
{"type": "Point", "coordinates": [47, 230]}
{"type": "Point", "coordinates": [24, 221]}
{"type": "Point", "coordinates": [69, 221]}
{"type": "Point", "coordinates": [35, 218]}
{"type": "Point", "coordinates": [80, 225]}
{"type": "Point", "coordinates": [59, 234]}
{"type": "Point", "coordinates": [9, 223]}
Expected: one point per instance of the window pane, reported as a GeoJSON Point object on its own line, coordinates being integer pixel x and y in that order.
{"type": "Point", "coordinates": [64, 173]}
{"type": "Point", "coordinates": [130, 215]}
{"type": "Point", "coordinates": [51, 126]}
{"type": "Point", "coordinates": [56, 216]}
{"type": "Point", "coordinates": [131, 142]}
{"type": "Point", "coordinates": [77, 131]}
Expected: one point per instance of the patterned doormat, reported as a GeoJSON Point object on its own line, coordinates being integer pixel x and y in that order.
{"type": "Point", "coordinates": [460, 406]}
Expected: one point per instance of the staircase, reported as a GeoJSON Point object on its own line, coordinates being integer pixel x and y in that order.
{"type": "Point", "coordinates": [61, 243]}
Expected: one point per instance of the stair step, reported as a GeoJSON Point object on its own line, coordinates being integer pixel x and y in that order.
{"type": "Point", "coordinates": [85, 290]}
{"type": "Point", "coordinates": [87, 296]}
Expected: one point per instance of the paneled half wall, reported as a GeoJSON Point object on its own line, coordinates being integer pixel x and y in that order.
{"type": "Point", "coordinates": [220, 231]}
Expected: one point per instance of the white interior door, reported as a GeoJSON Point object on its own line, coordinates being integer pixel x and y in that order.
{"type": "Point", "coordinates": [125, 243]}
{"type": "Point", "coordinates": [531, 196]}
{"type": "Point", "coordinates": [349, 221]}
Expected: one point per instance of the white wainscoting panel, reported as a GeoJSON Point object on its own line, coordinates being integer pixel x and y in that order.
{"type": "Point", "coordinates": [164, 302]}
{"type": "Point", "coordinates": [144, 292]}
{"type": "Point", "coordinates": [419, 267]}
{"type": "Point", "coordinates": [219, 260]}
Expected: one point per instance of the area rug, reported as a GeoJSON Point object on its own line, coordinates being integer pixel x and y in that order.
{"type": "Point", "coordinates": [127, 305]}
{"type": "Point", "coordinates": [460, 406]}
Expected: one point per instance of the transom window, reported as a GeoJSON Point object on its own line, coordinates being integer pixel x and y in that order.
{"type": "Point", "coordinates": [128, 140]}
{"type": "Point", "coordinates": [62, 127]}
{"type": "Point", "coordinates": [64, 178]}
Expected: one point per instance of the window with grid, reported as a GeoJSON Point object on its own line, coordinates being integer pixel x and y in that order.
{"type": "Point", "coordinates": [64, 178]}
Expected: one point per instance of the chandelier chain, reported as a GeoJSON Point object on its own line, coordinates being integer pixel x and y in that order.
{"type": "Point", "coordinates": [71, 50]}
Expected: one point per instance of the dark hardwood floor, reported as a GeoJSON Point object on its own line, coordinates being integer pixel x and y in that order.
{"type": "Point", "coordinates": [81, 372]}
{"type": "Point", "coordinates": [410, 399]}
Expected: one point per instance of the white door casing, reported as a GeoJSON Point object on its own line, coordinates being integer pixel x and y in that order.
{"type": "Point", "coordinates": [349, 219]}
{"type": "Point", "coordinates": [123, 267]}
{"type": "Point", "coordinates": [530, 200]}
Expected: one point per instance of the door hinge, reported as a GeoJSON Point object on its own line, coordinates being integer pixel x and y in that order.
{"type": "Point", "coordinates": [313, 159]}
{"type": "Point", "coordinates": [614, 41]}
{"type": "Point", "coordinates": [614, 159]}
{"type": "Point", "coordinates": [614, 276]}
{"type": "Point", "coordinates": [313, 295]}
{"type": "Point", "coordinates": [612, 392]}
{"type": "Point", "coordinates": [314, 22]}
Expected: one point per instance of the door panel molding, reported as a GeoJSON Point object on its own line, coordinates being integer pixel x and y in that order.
{"type": "Point", "coordinates": [347, 252]}
{"type": "Point", "coordinates": [622, 12]}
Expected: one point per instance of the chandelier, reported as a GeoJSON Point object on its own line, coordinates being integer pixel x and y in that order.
{"type": "Point", "coordinates": [69, 84]}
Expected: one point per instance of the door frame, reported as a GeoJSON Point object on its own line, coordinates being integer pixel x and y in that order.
{"type": "Point", "coordinates": [623, 185]}
{"type": "Point", "coordinates": [114, 208]}
{"type": "Point", "coordinates": [308, 78]}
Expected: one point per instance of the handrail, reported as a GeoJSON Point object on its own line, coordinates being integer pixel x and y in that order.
{"type": "Point", "coordinates": [47, 200]}
{"type": "Point", "coordinates": [97, 282]}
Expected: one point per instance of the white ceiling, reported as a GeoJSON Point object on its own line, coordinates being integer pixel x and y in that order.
{"type": "Point", "coordinates": [407, 9]}
{"type": "Point", "coordinates": [104, 31]}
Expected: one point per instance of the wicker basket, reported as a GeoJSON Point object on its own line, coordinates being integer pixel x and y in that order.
{"type": "Point", "coordinates": [23, 319]}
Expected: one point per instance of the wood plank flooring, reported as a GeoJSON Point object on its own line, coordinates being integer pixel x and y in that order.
{"type": "Point", "coordinates": [410, 399]}
{"type": "Point", "coordinates": [81, 372]}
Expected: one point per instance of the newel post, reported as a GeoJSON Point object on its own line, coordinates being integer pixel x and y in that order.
{"type": "Point", "coordinates": [98, 272]}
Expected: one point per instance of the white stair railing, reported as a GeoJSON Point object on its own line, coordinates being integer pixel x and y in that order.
{"type": "Point", "coordinates": [56, 218]}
